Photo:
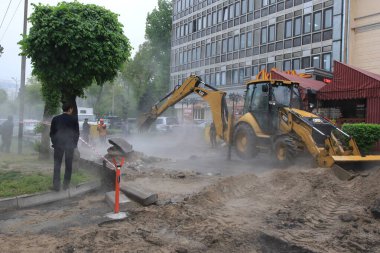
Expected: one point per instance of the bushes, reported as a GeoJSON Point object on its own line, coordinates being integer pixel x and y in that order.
{"type": "Point", "coordinates": [365, 135]}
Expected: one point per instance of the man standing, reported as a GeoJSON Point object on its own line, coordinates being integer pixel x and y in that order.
{"type": "Point", "coordinates": [213, 135]}
{"type": "Point", "coordinates": [102, 129]}
{"type": "Point", "coordinates": [64, 134]}
{"type": "Point", "coordinates": [6, 130]}
{"type": "Point", "coordinates": [86, 130]}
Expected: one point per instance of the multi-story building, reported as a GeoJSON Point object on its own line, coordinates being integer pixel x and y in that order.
{"type": "Point", "coordinates": [229, 41]}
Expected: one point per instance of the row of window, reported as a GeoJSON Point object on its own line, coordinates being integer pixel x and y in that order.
{"type": "Point", "coordinates": [239, 7]}
{"type": "Point", "coordinates": [239, 43]}
{"type": "Point", "coordinates": [239, 75]}
{"type": "Point", "coordinates": [293, 27]}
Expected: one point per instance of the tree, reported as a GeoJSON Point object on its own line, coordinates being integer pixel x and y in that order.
{"type": "Point", "coordinates": [148, 74]}
{"type": "Point", "coordinates": [3, 96]}
{"type": "Point", "coordinates": [70, 46]}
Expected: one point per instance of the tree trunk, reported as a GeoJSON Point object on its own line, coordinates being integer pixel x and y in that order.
{"type": "Point", "coordinates": [44, 150]}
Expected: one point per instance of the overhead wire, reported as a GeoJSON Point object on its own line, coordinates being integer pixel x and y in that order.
{"type": "Point", "coordinates": [14, 14]}
{"type": "Point", "coordinates": [2, 21]}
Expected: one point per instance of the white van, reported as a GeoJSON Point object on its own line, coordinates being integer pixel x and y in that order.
{"type": "Point", "coordinates": [166, 124]}
{"type": "Point", "coordinates": [86, 113]}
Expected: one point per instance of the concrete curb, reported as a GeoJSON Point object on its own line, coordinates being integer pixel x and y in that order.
{"type": "Point", "coordinates": [47, 197]}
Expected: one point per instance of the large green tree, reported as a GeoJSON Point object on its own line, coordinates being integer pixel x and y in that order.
{"type": "Point", "coordinates": [148, 74]}
{"type": "Point", "coordinates": [71, 45]}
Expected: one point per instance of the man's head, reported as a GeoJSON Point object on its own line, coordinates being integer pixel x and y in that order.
{"type": "Point", "coordinates": [67, 108]}
{"type": "Point", "coordinates": [101, 121]}
{"type": "Point", "coordinates": [86, 120]}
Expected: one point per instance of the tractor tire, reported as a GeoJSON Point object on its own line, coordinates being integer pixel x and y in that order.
{"type": "Point", "coordinates": [285, 151]}
{"type": "Point", "coordinates": [245, 141]}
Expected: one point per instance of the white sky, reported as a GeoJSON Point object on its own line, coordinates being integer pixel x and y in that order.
{"type": "Point", "coordinates": [132, 15]}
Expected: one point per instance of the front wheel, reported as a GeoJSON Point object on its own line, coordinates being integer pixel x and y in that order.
{"type": "Point", "coordinates": [245, 141]}
{"type": "Point", "coordinates": [285, 151]}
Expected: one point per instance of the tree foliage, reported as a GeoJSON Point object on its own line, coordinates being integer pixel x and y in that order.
{"type": "Point", "coordinates": [148, 74]}
{"type": "Point", "coordinates": [73, 44]}
{"type": "Point", "coordinates": [3, 96]}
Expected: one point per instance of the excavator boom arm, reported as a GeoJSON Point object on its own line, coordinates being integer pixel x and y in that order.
{"type": "Point", "coordinates": [214, 97]}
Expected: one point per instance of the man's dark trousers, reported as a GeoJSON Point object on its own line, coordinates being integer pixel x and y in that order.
{"type": "Point", "coordinates": [58, 156]}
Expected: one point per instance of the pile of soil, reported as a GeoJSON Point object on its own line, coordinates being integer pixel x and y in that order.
{"type": "Point", "coordinates": [291, 210]}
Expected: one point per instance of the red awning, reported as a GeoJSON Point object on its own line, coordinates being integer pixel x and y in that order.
{"type": "Point", "coordinates": [306, 83]}
{"type": "Point", "coordinates": [350, 83]}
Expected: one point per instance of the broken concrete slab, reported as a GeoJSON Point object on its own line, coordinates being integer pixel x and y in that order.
{"type": "Point", "coordinates": [124, 201]}
{"type": "Point", "coordinates": [140, 195]}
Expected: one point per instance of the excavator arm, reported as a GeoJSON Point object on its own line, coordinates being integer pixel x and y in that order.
{"type": "Point", "coordinates": [214, 97]}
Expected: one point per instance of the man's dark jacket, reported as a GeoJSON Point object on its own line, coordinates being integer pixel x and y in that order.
{"type": "Point", "coordinates": [64, 131]}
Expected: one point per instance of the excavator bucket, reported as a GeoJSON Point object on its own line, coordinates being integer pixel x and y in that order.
{"type": "Point", "coordinates": [145, 121]}
{"type": "Point", "coordinates": [348, 167]}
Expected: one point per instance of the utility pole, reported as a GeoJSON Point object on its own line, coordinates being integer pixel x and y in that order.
{"type": "Point", "coordinates": [22, 85]}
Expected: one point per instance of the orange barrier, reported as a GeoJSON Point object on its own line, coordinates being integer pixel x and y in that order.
{"type": "Point", "coordinates": [117, 183]}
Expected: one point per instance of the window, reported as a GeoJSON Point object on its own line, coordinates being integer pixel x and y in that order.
{"type": "Point", "coordinates": [237, 9]}
{"type": "Point", "coordinates": [297, 26]}
{"type": "Point", "coordinates": [263, 35]}
{"type": "Point", "coordinates": [217, 78]}
{"type": "Point", "coordinates": [180, 58]}
{"type": "Point", "coordinates": [249, 39]}
{"type": "Point", "coordinates": [317, 21]}
{"type": "Point", "coordinates": [287, 65]}
{"type": "Point", "coordinates": [208, 50]}
{"type": "Point", "coordinates": [256, 38]}
{"type": "Point", "coordinates": [271, 33]}
{"type": "Point", "coordinates": [316, 61]}
{"type": "Point", "coordinates": [327, 18]}
{"type": "Point", "coordinates": [194, 54]}
{"type": "Point", "coordinates": [264, 3]}
{"type": "Point", "coordinates": [225, 14]}
{"type": "Point", "coordinates": [307, 23]}
{"type": "Point", "coordinates": [213, 49]}
{"type": "Point", "coordinates": [255, 70]}
{"type": "Point", "coordinates": [280, 31]}
{"type": "Point", "coordinates": [241, 75]}
{"type": "Point", "coordinates": [199, 24]}
{"type": "Point", "coordinates": [231, 10]}
{"type": "Point", "coordinates": [214, 18]}
{"type": "Point", "coordinates": [305, 62]}
{"type": "Point", "coordinates": [204, 22]}
{"type": "Point", "coordinates": [243, 7]}
{"type": "Point", "coordinates": [224, 78]}
{"type": "Point", "coordinates": [220, 15]}
{"type": "Point", "coordinates": [230, 44]}
{"type": "Point", "coordinates": [236, 42]}
{"type": "Point", "coordinates": [242, 41]}
{"type": "Point", "coordinates": [235, 76]}
{"type": "Point", "coordinates": [327, 62]}
{"type": "Point", "coordinates": [224, 46]}
{"type": "Point", "coordinates": [209, 20]}
{"type": "Point", "coordinates": [198, 53]}
{"type": "Point", "coordinates": [288, 29]}
{"type": "Point", "coordinates": [296, 64]}
{"type": "Point", "coordinates": [189, 56]}
{"type": "Point", "coordinates": [250, 5]}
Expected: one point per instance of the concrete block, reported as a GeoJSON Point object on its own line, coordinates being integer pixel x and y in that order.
{"type": "Point", "coordinates": [124, 201]}
{"type": "Point", "coordinates": [140, 195]}
{"type": "Point", "coordinates": [83, 188]}
{"type": "Point", "coordinates": [41, 198]}
{"type": "Point", "coordinates": [8, 203]}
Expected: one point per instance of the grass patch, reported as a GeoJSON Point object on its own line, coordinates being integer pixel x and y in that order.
{"type": "Point", "coordinates": [14, 183]}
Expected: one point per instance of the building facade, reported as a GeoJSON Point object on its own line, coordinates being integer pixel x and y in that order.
{"type": "Point", "coordinates": [229, 41]}
{"type": "Point", "coordinates": [362, 33]}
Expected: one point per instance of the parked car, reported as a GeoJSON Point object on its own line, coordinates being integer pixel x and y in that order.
{"type": "Point", "coordinates": [166, 124]}
{"type": "Point", "coordinates": [30, 126]}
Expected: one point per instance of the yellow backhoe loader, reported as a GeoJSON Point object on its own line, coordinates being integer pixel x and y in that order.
{"type": "Point", "coordinates": [272, 121]}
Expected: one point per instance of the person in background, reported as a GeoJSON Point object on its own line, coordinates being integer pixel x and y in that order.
{"type": "Point", "coordinates": [64, 135]}
{"type": "Point", "coordinates": [102, 129]}
{"type": "Point", "coordinates": [213, 135]}
{"type": "Point", "coordinates": [6, 131]}
{"type": "Point", "coordinates": [86, 130]}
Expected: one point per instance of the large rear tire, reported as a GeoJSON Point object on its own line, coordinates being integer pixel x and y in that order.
{"type": "Point", "coordinates": [245, 141]}
{"type": "Point", "coordinates": [285, 150]}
